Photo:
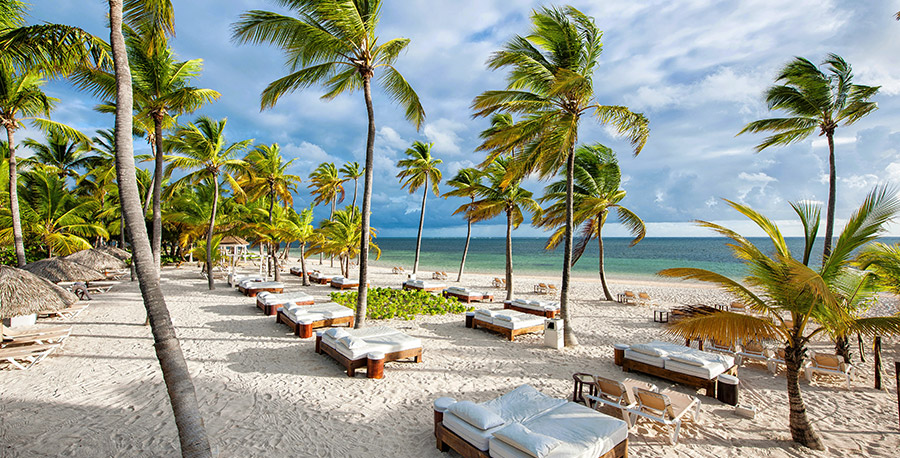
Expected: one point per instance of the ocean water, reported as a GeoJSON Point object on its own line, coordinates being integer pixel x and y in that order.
{"type": "Point", "coordinates": [487, 255]}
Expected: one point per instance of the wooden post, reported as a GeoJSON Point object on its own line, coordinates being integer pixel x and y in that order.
{"type": "Point", "coordinates": [877, 362]}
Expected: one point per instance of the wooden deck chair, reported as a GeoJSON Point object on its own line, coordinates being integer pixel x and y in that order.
{"type": "Point", "coordinates": [541, 288]}
{"type": "Point", "coordinates": [644, 299]}
{"type": "Point", "coordinates": [552, 289]}
{"type": "Point", "coordinates": [52, 337]}
{"type": "Point", "coordinates": [825, 363]}
{"type": "Point", "coordinates": [66, 313]}
{"type": "Point", "coordinates": [666, 407]}
{"type": "Point", "coordinates": [26, 356]}
{"type": "Point", "coordinates": [629, 298]}
{"type": "Point", "coordinates": [753, 350]}
{"type": "Point", "coordinates": [498, 282]}
{"type": "Point", "coordinates": [616, 394]}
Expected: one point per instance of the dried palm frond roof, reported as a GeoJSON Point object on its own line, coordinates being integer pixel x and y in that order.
{"type": "Point", "coordinates": [114, 251]}
{"type": "Point", "coordinates": [96, 259]}
{"type": "Point", "coordinates": [233, 240]}
{"type": "Point", "coordinates": [61, 269]}
{"type": "Point", "coordinates": [24, 293]}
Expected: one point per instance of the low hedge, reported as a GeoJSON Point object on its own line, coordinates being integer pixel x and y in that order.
{"type": "Point", "coordinates": [386, 303]}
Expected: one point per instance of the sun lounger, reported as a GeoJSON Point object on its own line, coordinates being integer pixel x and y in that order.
{"type": "Point", "coordinates": [253, 288]}
{"type": "Point", "coordinates": [26, 356]}
{"type": "Point", "coordinates": [539, 308]}
{"type": "Point", "coordinates": [66, 313]}
{"type": "Point", "coordinates": [828, 364]}
{"type": "Point", "coordinates": [666, 407]}
{"type": "Point", "coordinates": [45, 335]}
{"type": "Point", "coordinates": [466, 295]}
{"type": "Point", "coordinates": [552, 289]}
{"type": "Point", "coordinates": [317, 277]}
{"type": "Point", "coordinates": [644, 299]}
{"type": "Point", "coordinates": [297, 270]}
{"type": "Point", "coordinates": [369, 347]}
{"type": "Point", "coordinates": [344, 283]}
{"type": "Point", "coordinates": [714, 345]}
{"type": "Point", "coordinates": [439, 276]}
{"type": "Point", "coordinates": [526, 422]}
{"type": "Point", "coordinates": [753, 350]}
{"type": "Point", "coordinates": [397, 270]}
{"type": "Point", "coordinates": [424, 285]}
{"type": "Point", "coordinates": [616, 394]}
{"type": "Point", "coordinates": [498, 283]}
{"type": "Point", "coordinates": [629, 298]}
{"type": "Point", "coordinates": [270, 303]}
{"type": "Point", "coordinates": [508, 323]}
{"type": "Point", "coordinates": [541, 288]}
{"type": "Point", "coordinates": [677, 363]}
{"type": "Point", "coordinates": [235, 280]}
{"type": "Point", "coordinates": [302, 319]}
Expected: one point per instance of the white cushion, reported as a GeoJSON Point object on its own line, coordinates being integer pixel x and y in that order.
{"type": "Point", "coordinates": [352, 343]}
{"type": "Point", "coordinates": [526, 440]}
{"type": "Point", "coordinates": [476, 415]}
{"type": "Point", "coordinates": [688, 358]}
{"type": "Point", "coordinates": [337, 333]}
{"type": "Point", "coordinates": [649, 349]}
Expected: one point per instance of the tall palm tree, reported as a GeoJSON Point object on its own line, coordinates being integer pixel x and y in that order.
{"type": "Point", "coordinates": [327, 187]}
{"type": "Point", "coordinates": [333, 43]}
{"type": "Point", "coordinates": [351, 171]}
{"type": "Point", "coordinates": [550, 84]}
{"type": "Point", "coordinates": [417, 170]}
{"type": "Point", "coordinates": [499, 196]}
{"type": "Point", "coordinates": [596, 193]}
{"type": "Point", "coordinates": [191, 432]}
{"type": "Point", "coordinates": [60, 154]}
{"type": "Point", "coordinates": [792, 302]}
{"type": "Point", "coordinates": [303, 232]}
{"type": "Point", "coordinates": [814, 100]}
{"type": "Point", "coordinates": [464, 184]}
{"type": "Point", "coordinates": [202, 150]}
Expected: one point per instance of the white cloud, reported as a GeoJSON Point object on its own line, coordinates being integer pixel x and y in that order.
{"type": "Point", "coordinates": [823, 142]}
{"type": "Point", "coordinates": [443, 133]}
{"type": "Point", "coordinates": [758, 177]}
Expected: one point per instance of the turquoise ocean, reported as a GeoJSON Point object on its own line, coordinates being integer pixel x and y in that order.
{"type": "Point", "coordinates": [487, 255]}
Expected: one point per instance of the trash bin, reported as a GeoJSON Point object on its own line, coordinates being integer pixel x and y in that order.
{"type": "Point", "coordinates": [553, 333]}
{"type": "Point", "coordinates": [727, 389]}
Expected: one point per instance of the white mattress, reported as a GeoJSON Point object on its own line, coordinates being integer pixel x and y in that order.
{"type": "Point", "coordinates": [263, 284]}
{"type": "Point", "coordinates": [380, 338]}
{"type": "Point", "coordinates": [244, 281]}
{"type": "Point", "coordinates": [479, 438]}
{"type": "Point", "coordinates": [298, 270]}
{"type": "Point", "coordinates": [317, 312]}
{"type": "Point", "coordinates": [709, 371]}
{"type": "Point", "coordinates": [535, 305]}
{"type": "Point", "coordinates": [284, 298]}
{"type": "Point", "coordinates": [425, 284]}
{"type": "Point", "coordinates": [463, 292]}
{"type": "Point", "coordinates": [343, 281]}
{"type": "Point", "coordinates": [519, 319]}
{"type": "Point", "coordinates": [644, 358]}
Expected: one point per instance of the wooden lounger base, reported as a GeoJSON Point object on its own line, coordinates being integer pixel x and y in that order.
{"type": "Point", "coordinates": [629, 365]}
{"type": "Point", "coordinates": [353, 364]}
{"type": "Point", "coordinates": [272, 310]}
{"type": "Point", "coordinates": [320, 281]}
{"type": "Point", "coordinates": [544, 313]}
{"type": "Point", "coordinates": [469, 299]}
{"type": "Point", "coordinates": [306, 331]}
{"type": "Point", "coordinates": [506, 332]}
{"type": "Point", "coordinates": [252, 292]}
{"type": "Point", "coordinates": [345, 286]}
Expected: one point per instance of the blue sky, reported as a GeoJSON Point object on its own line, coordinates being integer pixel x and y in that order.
{"type": "Point", "coordinates": [696, 68]}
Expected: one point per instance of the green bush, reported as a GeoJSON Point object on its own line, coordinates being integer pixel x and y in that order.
{"type": "Point", "coordinates": [386, 303]}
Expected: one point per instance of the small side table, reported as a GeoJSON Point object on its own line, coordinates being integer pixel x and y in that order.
{"type": "Point", "coordinates": [661, 316]}
{"type": "Point", "coordinates": [470, 319]}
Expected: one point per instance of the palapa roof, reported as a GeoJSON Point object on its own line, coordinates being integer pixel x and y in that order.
{"type": "Point", "coordinates": [24, 293]}
{"type": "Point", "coordinates": [96, 259]}
{"type": "Point", "coordinates": [114, 251]}
{"type": "Point", "coordinates": [233, 240]}
{"type": "Point", "coordinates": [61, 269]}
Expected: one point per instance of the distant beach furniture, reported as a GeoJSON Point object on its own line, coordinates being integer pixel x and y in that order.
{"type": "Point", "coordinates": [251, 289]}
{"type": "Point", "coordinates": [737, 307]}
{"type": "Point", "coordinates": [270, 303]}
{"type": "Point", "coordinates": [398, 270]}
{"type": "Point", "coordinates": [302, 319]}
{"type": "Point", "coordinates": [67, 313]}
{"type": "Point", "coordinates": [613, 393]}
{"type": "Point", "coordinates": [678, 363]}
{"type": "Point", "coordinates": [498, 283]}
{"type": "Point", "coordinates": [539, 308]}
{"type": "Point", "coordinates": [234, 279]}
{"type": "Point", "coordinates": [754, 350]}
{"type": "Point", "coordinates": [317, 277]}
{"type": "Point", "coordinates": [541, 288]}
{"type": "Point", "coordinates": [343, 283]}
{"type": "Point", "coordinates": [508, 323]}
{"type": "Point", "coordinates": [828, 364]}
{"type": "Point", "coordinates": [368, 347]}
{"type": "Point", "coordinates": [424, 285]}
{"type": "Point", "coordinates": [439, 276]}
{"type": "Point", "coordinates": [297, 270]}
{"type": "Point", "coordinates": [628, 297]}
{"type": "Point", "coordinates": [644, 299]}
{"type": "Point", "coordinates": [35, 336]}
{"type": "Point", "coordinates": [466, 295]}
{"type": "Point", "coordinates": [666, 407]}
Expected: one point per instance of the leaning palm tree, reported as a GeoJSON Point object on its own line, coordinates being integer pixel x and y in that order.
{"type": "Point", "coordinates": [792, 302]}
{"type": "Point", "coordinates": [500, 196]}
{"type": "Point", "coordinates": [60, 154]}
{"type": "Point", "coordinates": [815, 101]}
{"type": "Point", "coordinates": [333, 43]}
{"type": "Point", "coordinates": [464, 184]}
{"type": "Point", "coordinates": [417, 170]}
{"type": "Point", "coordinates": [596, 194]}
{"type": "Point", "coordinates": [191, 432]}
{"type": "Point", "coordinates": [550, 84]}
{"type": "Point", "coordinates": [351, 171]}
{"type": "Point", "coordinates": [202, 150]}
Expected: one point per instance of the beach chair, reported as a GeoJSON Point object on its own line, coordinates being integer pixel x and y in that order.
{"type": "Point", "coordinates": [715, 345]}
{"type": "Point", "coordinates": [825, 363]}
{"type": "Point", "coordinates": [541, 288]}
{"type": "Point", "coordinates": [51, 336]}
{"type": "Point", "coordinates": [666, 407]}
{"type": "Point", "coordinates": [616, 394]}
{"type": "Point", "coordinates": [498, 283]}
{"type": "Point", "coordinates": [66, 313]}
{"type": "Point", "coordinates": [644, 299]}
{"type": "Point", "coordinates": [26, 356]}
{"type": "Point", "coordinates": [552, 289]}
{"type": "Point", "coordinates": [775, 359]}
{"type": "Point", "coordinates": [754, 350]}
{"type": "Point", "coordinates": [629, 298]}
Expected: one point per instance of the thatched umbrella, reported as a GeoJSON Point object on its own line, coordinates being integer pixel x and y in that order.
{"type": "Point", "coordinates": [114, 251]}
{"type": "Point", "coordinates": [96, 260]}
{"type": "Point", "coordinates": [24, 293]}
{"type": "Point", "coordinates": [61, 269]}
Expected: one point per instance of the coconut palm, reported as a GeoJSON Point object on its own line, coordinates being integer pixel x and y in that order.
{"type": "Point", "coordinates": [351, 171]}
{"type": "Point", "coordinates": [815, 101]}
{"type": "Point", "coordinates": [60, 154]}
{"type": "Point", "coordinates": [596, 194]}
{"type": "Point", "coordinates": [340, 237]}
{"type": "Point", "coordinates": [550, 84]}
{"type": "Point", "coordinates": [792, 302]}
{"type": "Point", "coordinates": [327, 187]}
{"type": "Point", "coordinates": [417, 170]}
{"type": "Point", "coordinates": [202, 150]}
{"type": "Point", "coordinates": [501, 196]}
{"type": "Point", "coordinates": [333, 43]}
{"type": "Point", "coordinates": [464, 184]}
{"type": "Point", "coordinates": [303, 232]}
{"type": "Point", "coordinates": [883, 261]}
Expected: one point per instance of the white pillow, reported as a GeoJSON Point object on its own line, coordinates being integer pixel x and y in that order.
{"type": "Point", "coordinates": [337, 333]}
{"type": "Point", "coordinates": [352, 342]}
{"type": "Point", "coordinates": [688, 358]}
{"type": "Point", "coordinates": [526, 440]}
{"type": "Point", "coordinates": [476, 415]}
{"type": "Point", "coordinates": [648, 349]}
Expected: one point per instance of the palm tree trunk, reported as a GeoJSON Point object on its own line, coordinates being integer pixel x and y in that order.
{"type": "Point", "coordinates": [462, 264]}
{"type": "Point", "coordinates": [156, 243]}
{"type": "Point", "coordinates": [149, 197]}
{"type": "Point", "coordinates": [842, 348]}
{"type": "Point", "coordinates": [832, 178]}
{"type": "Point", "coordinates": [366, 204]}
{"type": "Point", "coordinates": [272, 245]}
{"type": "Point", "coordinates": [303, 263]}
{"type": "Point", "coordinates": [568, 333]}
{"type": "Point", "coordinates": [355, 186]}
{"type": "Point", "coordinates": [18, 240]}
{"type": "Point", "coordinates": [121, 228]}
{"type": "Point", "coordinates": [210, 234]}
{"type": "Point", "coordinates": [421, 224]}
{"type": "Point", "coordinates": [602, 271]}
{"type": "Point", "coordinates": [802, 430]}
{"type": "Point", "coordinates": [509, 265]}
{"type": "Point", "coordinates": [877, 362]}
{"type": "Point", "coordinates": [191, 432]}
{"type": "Point", "coordinates": [331, 217]}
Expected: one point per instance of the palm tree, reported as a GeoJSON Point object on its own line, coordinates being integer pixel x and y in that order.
{"type": "Point", "coordinates": [464, 184]}
{"type": "Point", "coordinates": [266, 177]}
{"type": "Point", "coordinates": [351, 171]}
{"type": "Point", "coordinates": [303, 232]}
{"type": "Point", "coordinates": [327, 186]}
{"type": "Point", "coordinates": [340, 237]}
{"type": "Point", "coordinates": [792, 302]}
{"type": "Point", "coordinates": [502, 196]}
{"type": "Point", "coordinates": [551, 85]}
{"type": "Point", "coordinates": [203, 152]}
{"type": "Point", "coordinates": [417, 170]}
{"type": "Point", "coordinates": [814, 100]}
{"type": "Point", "coordinates": [884, 262]}
{"type": "Point", "coordinates": [333, 43]}
{"type": "Point", "coordinates": [596, 193]}
{"type": "Point", "coordinates": [60, 154]}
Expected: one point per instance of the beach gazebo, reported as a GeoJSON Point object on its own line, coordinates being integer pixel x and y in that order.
{"type": "Point", "coordinates": [24, 294]}
{"type": "Point", "coordinates": [61, 269]}
{"type": "Point", "coordinates": [96, 260]}
{"type": "Point", "coordinates": [233, 246]}
{"type": "Point", "coordinates": [114, 251]}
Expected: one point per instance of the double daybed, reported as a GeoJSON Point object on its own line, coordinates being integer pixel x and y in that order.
{"type": "Point", "coordinates": [317, 277]}
{"type": "Point", "coordinates": [466, 295]}
{"type": "Point", "coordinates": [252, 288]}
{"type": "Point", "coordinates": [297, 270]}
{"type": "Point", "coordinates": [271, 303]}
{"type": "Point", "coordinates": [527, 423]}
{"type": "Point", "coordinates": [368, 347]}
{"type": "Point", "coordinates": [508, 323]}
{"type": "Point", "coordinates": [424, 285]}
{"type": "Point", "coordinates": [677, 363]}
{"type": "Point", "coordinates": [302, 319]}
{"type": "Point", "coordinates": [235, 279]}
{"type": "Point", "coordinates": [541, 308]}
{"type": "Point", "coordinates": [344, 283]}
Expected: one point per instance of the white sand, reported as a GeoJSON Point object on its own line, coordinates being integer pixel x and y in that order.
{"type": "Point", "coordinates": [264, 392]}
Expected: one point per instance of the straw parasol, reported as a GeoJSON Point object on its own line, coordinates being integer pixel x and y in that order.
{"type": "Point", "coordinates": [61, 269]}
{"type": "Point", "coordinates": [114, 251]}
{"type": "Point", "coordinates": [24, 293]}
{"type": "Point", "coordinates": [96, 259]}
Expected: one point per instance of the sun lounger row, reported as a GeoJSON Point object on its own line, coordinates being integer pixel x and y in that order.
{"type": "Point", "coordinates": [22, 349]}
{"type": "Point", "coordinates": [545, 288]}
{"type": "Point", "coordinates": [467, 295]}
{"type": "Point", "coordinates": [398, 270]}
{"type": "Point", "coordinates": [540, 308]}
{"type": "Point", "coordinates": [508, 323]}
{"type": "Point", "coordinates": [677, 363]}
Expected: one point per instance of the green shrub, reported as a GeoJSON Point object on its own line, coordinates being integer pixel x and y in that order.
{"type": "Point", "coordinates": [386, 303]}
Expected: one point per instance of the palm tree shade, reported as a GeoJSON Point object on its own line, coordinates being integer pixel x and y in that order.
{"type": "Point", "coordinates": [416, 171]}
{"type": "Point", "coordinates": [464, 184]}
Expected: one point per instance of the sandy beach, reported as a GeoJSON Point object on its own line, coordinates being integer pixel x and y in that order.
{"type": "Point", "coordinates": [264, 392]}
